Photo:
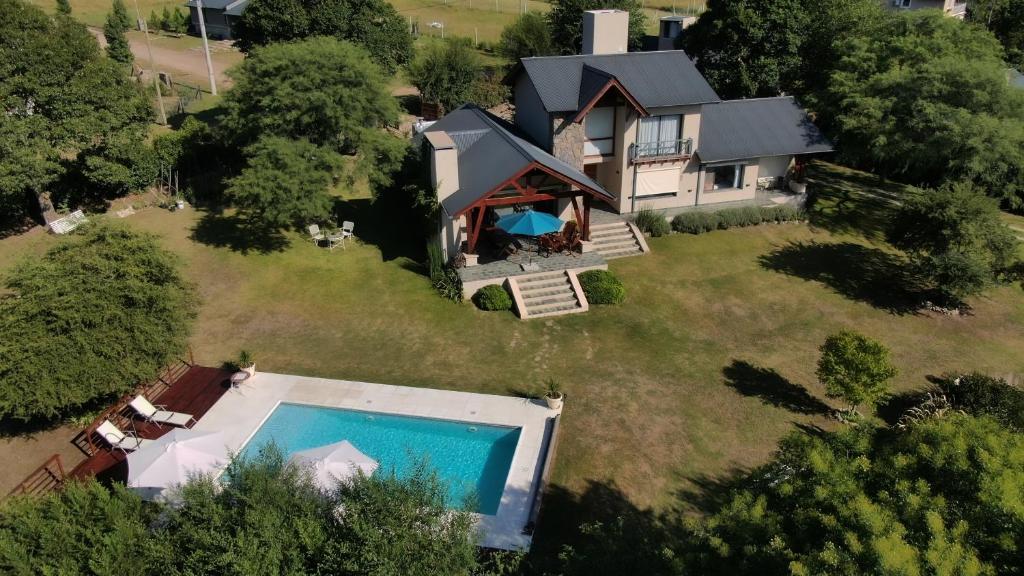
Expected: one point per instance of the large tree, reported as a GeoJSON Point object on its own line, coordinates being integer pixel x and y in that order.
{"type": "Point", "coordinates": [96, 315]}
{"type": "Point", "coordinates": [61, 100]}
{"type": "Point", "coordinates": [565, 21]}
{"type": "Point", "coordinates": [323, 90]}
{"type": "Point", "coordinates": [1005, 18]}
{"type": "Point", "coordinates": [955, 238]}
{"type": "Point", "coordinates": [527, 37]}
{"type": "Point", "coordinates": [285, 182]}
{"type": "Point", "coordinates": [373, 24]}
{"type": "Point", "coordinates": [924, 99]}
{"type": "Point", "coordinates": [855, 368]}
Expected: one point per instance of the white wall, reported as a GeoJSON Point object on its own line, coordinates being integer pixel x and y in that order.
{"type": "Point", "coordinates": [774, 166]}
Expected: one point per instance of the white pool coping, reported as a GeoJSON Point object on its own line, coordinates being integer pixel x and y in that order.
{"type": "Point", "coordinates": [239, 414]}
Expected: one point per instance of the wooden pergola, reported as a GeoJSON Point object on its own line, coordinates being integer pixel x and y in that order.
{"type": "Point", "coordinates": [534, 183]}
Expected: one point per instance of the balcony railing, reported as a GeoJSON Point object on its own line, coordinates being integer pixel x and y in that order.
{"type": "Point", "coordinates": [648, 151]}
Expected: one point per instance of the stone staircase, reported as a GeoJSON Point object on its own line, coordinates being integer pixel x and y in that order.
{"type": "Point", "coordinates": [547, 294]}
{"type": "Point", "coordinates": [617, 239]}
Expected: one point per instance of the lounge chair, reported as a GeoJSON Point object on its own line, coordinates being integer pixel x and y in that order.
{"type": "Point", "coordinates": [316, 234]}
{"type": "Point", "coordinates": [159, 414]}
{"type": "Point", "coordinates": [123, 441]}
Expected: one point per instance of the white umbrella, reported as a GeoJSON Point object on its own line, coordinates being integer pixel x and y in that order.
{"type": "Point", "coordinates": [335, 462]}
{"type": "Point", "coordinates": [174, 458]}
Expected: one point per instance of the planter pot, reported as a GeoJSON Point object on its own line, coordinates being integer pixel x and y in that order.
{"type": "Point", "coordinates": [554, 403]}
{"type": "Point", "coordinates": [251, 369]}
{"type": "Point", "coordinates": [798, 187]}
{"type": "Point", "coordinates": [180, 204]}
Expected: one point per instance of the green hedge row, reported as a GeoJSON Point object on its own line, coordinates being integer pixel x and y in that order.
{"type": "Point", "coordinates": [602, 287]}
{"type": "Point", "coordinates": [700, 222]}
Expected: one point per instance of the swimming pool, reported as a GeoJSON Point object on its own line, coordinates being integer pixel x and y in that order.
{"type": "Point", "coordinates": [472, 459]}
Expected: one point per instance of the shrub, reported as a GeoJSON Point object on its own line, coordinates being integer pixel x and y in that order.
{"type": "Point", "coordinates": [982, 395]}
{"type": "Point", "coordinates": [602, 287]}
{"type": "Point", "coordinates": [492, 298]}
{"type": "Point", "coordinates": [449, 285]}
{"type": "Point", "coordinates": [435, 260]}
{"type": "Point", "coordinates": [729, 218]}
{"type": "Point", "coordinates": [750, 216]}
{"type": "Point", "coordinates": [651, 221]}
{"type": "Point", "coordinates": [695, 222]}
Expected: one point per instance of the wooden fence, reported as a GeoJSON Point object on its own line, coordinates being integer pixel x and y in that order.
{"type": "Point", "coordinates": [47, 478]}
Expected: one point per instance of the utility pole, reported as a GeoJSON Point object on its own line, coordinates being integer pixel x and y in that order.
{"type": "Point", "coordinates": [152, 66]}
{"type": "Point", "coordinates": [206, 46]}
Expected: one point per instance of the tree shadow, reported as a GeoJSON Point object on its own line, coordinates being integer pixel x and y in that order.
{"type": "Point", "coordinates": [772, 388]}
{"type": "Point", "coordinates": [600, 531]}
{"type": "Point", "coordinates": [896, 405]}
{"type": "Point", "coordinates": [848, 201]}
{"type": "Point", "coordinates": [388, 227]}
{"type": "Point", "coordinates": [858, 272]}
{"type": "Point", "coordinates": [708, 494]}
{"type": "Point", "coordinates": [236, 233]}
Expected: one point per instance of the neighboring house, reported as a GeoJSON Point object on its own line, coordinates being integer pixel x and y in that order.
{"type": "Point", "coordinates": [954, 8]}
{"type": "Point", "coordinates": [221, 17]}
{"type": "Point", "coordinates": [611, 130]}
{"type": "Point", "coordinates": [669, 29]}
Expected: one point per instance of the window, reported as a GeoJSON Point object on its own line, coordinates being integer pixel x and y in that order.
{"type": "Point", "coordinates": [599, 129]}
{"type": "Point", "coordinates": [724, 177]}
{"type": "Point", "coordinates": [659, 136]}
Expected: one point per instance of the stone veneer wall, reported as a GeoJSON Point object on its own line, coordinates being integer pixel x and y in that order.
{"type": "Point", "coordinates": [567, 141]}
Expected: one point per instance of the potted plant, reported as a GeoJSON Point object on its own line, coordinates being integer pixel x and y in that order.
{"type": "Point", "coordinates": [553, 394]}
{"type": "Point", "coordinates": [247, 363]}
{"type": "Point", "coordinates": [797, 180]}
{"type": "Point", "coordinates": [180, 203]}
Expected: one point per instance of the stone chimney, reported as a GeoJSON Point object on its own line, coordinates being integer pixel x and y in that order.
{"type": "Point", "coordinates": [605, 32]}
{"type": "Point", "coordinates": [444, 164]}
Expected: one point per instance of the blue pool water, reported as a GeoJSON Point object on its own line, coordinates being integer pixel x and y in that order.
{"type": "Point", "coordinates": [472, 459]}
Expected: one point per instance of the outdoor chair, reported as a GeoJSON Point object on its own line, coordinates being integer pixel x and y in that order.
{"type": "Point", "coordinates": [159, 415]}
{"type": "Point", "coordinates": [316, 234]}
{"type": "Point", "coordinates": [571, 238]}
{"type": "Point", "coordinates": [123, 441]}
{"type": "Point", "coordinates": [551, 244]}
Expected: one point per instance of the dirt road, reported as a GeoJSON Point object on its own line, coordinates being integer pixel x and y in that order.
{"type": "Point", "coordinates": [182, 58]}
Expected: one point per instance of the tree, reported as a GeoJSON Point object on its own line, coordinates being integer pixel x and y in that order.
{"type": "Point", "coordinates": [748, 48]}
{"type": "Point", "coordinates": [60, 97]}
{"type": "Point", "coordinates": [373, 24]}
{"type": "Point", "coordinates": [285, 182]}
{"type": "Point", "coordinates": [942, 497]}
{"type": "Point", "coordinates": [1005, 19]}
{"type": "Point", "coordinates": [96, 315]}
{"type": "Point", "coordinates": [855, 368]}
{"type": "Point", "coordinates": [444, 72]}
{"type": "Point", "coordinates": [114, 31]}
{"type": "Point", "coordinates": [155, 21]}
{"type": "Point", "coordinates": [527, 37]}
{"type": "Point", "coordinates": [566, 22]}
{"type": "Point", "coordinates": [82, 529]}
{"type": "Point", "coordinates": [323, 90]}
{"type": "Point", "coordinates": [955, 238]}
{"type": "Point", "coordinates": [924, 98]}
{"type": "Point", "coordinates": [64, 7]}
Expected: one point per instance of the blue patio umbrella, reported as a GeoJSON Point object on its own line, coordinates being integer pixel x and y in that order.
{"type": "Point", "coordinates": [530, 223]}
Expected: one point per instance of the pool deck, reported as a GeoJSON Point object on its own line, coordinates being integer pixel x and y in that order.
{"type": "Point", "coordinates": [239, 413]}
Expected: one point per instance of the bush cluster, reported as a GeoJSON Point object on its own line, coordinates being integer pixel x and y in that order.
{"type": "Point", "coordinates": [982, 395]}
{"type": "Point", "coordinates": [652, 222]}
{"type": "Point", "coordinates": [493, 298]}
{"type": "Point", "coordinates": [700, 222]}
{"type": "Point", "coordinates": [602, 287]}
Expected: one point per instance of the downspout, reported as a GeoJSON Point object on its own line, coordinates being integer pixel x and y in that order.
{"type": "Point", "coordinates": [629, 159]}
{"type": "Point", "coordinates": [700, 184]}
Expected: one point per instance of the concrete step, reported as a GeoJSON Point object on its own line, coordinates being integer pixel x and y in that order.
{"type": "Point", "coordinates": [617, 247]}
{"type": "Point", "coordinates": [555, 311]}
{"type": "Point", "coordinates": [546, 294]}
{"type": "Point", "coordinates": [562, 284]}
{"type": "Point", "coordinates": [529, 295]}
{"type": "Point", "coordinates": [617, 239]}
{"type": "Point", "coordinates": [534, 304]}
{"type": "Point", "coordinates": [612, 254]}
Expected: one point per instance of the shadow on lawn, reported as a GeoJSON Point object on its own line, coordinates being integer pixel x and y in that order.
{"type": "Point", "coordinates": [386, 225]}
{"type": "Point", "coordinates": [870, 275]}
{"type": "Point", "coordinates": [772, 388]}
{"type": "Point", "coordinates": [237, 233]}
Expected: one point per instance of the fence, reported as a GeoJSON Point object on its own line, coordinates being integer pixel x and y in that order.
{"type": "Point", "coordinates": [47, 478]}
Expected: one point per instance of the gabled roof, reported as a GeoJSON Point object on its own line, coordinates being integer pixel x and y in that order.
{"type": "Point", "coordinates": [654, 79]}
{"type": "Point", "coordinates": [758, 127]}
{"type": "Point", "coordinates": [490, 152]}
{"type": "Point", "coordinates": [594, 84]}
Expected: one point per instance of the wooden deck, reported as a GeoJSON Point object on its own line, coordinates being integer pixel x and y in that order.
{"type": "Point", "coordinates": [194, 392]}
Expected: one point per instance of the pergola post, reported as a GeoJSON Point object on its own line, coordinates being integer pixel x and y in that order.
{"type": "Point", "coordinates": [475, 225]}
{"type": "Point", "coordinates": [586, 216]}
{"type": "Point", "coordinates": [576, 211]}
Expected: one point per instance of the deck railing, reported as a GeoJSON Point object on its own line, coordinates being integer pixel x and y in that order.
{"type": "Point", "coordinates": [645, 151]}
{"type": "Point", "coordinates": [47, 478]}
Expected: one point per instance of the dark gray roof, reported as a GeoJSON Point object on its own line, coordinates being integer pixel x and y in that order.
{"type": "Point", "coordinates": [490, 152]}
{"type": "Point", "coordinates": [740, 129]}
{"type": "Point", "coordinates": [655, 79]}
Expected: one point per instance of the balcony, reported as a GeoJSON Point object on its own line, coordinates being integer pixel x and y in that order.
{"type": "Point", "coordinates": [660, 151]}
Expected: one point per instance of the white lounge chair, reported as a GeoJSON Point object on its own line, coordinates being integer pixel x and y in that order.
{"type": "Point", "coordinates": [159, 414]}
{"type": "Point", "coordinates": [122, 441]}
{"type": "Point", "coordinates": [316, 234]}
{"type": "Point", "coordinates": [347, 229]}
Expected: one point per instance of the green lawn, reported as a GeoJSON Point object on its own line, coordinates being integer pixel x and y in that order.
{"type": "Point", "coordinates": [710, 360]}
{"type": "Point", "coordinates": [94, 12]}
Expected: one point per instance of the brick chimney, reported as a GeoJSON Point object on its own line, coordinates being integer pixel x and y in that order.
{"type": "Point", "coordinates": [605, 31]}
{"type": "Point", "coordinates": [444, 164]}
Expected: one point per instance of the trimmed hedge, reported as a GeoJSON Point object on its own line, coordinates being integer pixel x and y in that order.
{"type": "Point", "coordinates": [602, 287]}
{"type": "Point", "coordinates": [493, 298]}
{"type": "Point", "coordinates": [700, 222]}
{"type": "Point", "coordinates": [652, 222]}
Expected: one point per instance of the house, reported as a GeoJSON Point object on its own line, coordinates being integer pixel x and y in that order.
{"type": "Point", "coordinates": [220, 17]}
{"type": "Point", "coordinates": [603, 134]}
{"type": "Point", "coordinates": [954, 8]}
{"type": "Point", "coordinates": [669, 29]}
